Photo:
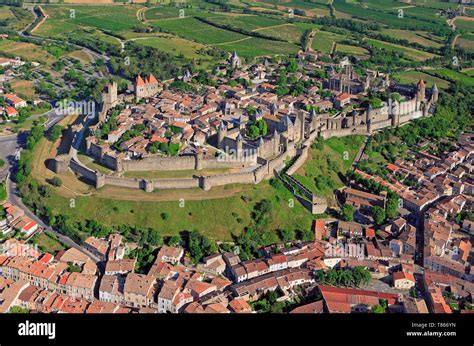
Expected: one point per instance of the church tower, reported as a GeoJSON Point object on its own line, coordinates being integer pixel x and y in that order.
{"type": "Point", "coordinates": [240, 145]}
{"type": "Point", "coordinates": [368, 118]}
{"type": "Point", "coordinates": [301, 119]}
{"type": "Point", "coordinates": [221, 134]}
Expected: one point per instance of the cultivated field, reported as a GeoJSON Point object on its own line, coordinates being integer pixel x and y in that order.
{"type": "Point", "coordinates": [323, 41]}
{"type": "Point", "coordinates": [453, 76]}
{"type": "Point", "coordinates": [387, 12]}
{"type": "Point", "coordinates": [410, 53]}
{"type": "Point", "coordinates": [69, 18]}
{"type": "Point", "coordinates": [465, 23]}
{"type": "Point", "coordinates": [413, 77]}
{"type": "Point", "coordinates": [253, 47]}
{"type": "Point", "coordinates": [419, 37]}
{"type": "Point", "coordinates": [5, 13]}
{"type": "Point", "coordinates": [466, 41]}
{"type": "Point", "coordinates": [193, 29]}
{"type": "Point", "coordinates": [27, 51]}
{"type": "Point", "coordinates": [352, 50]}
{"type": "Point", "coordinates": [174, 45]}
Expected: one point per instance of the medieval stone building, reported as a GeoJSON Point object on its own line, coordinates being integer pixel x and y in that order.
{"type": "Point", "coordinates": [146, 87]}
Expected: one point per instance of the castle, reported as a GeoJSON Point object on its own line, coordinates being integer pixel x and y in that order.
{"type": "Point", "coordinates": [213, 127]}
{"type": "Point", "coordinates": [110, 95]}
{"type": "Point", "coordinates": [146, 87]}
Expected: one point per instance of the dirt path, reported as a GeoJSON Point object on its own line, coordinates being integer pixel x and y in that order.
{"type": "Point", "coordinates": [242, 39]}
{"type": "Point", "coordinates": [333, 47]}
{"type": "Point", "coordinates": [311, 38]}
{"type": "Point", "coordinates": [470, 19]}
{"type": "Point", "coordinates": [269, 27]}
{"type": "Point", "coordinates": [141, 14]}
{"type": "Point", "coordinates": [454, 41]}
{"type": "Point", "coordinates": [402, 7]}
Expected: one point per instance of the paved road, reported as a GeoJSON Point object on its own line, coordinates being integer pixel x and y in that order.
{"type": "Point", "coordinates": [14, 199]}
{"type": "Point", "coordinates": [10, 145]}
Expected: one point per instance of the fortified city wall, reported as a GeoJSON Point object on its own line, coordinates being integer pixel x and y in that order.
{"type": "Point", "coordinates": [252, 170]}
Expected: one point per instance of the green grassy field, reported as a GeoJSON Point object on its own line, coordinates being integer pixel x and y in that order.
{"type": "Point", "coordinates": [67, 18]}
{"type": "Point", "coordinates": [167, 12]}
{"type": "Point", "coordinates": [352, 50]}
{"type": "Point", "coordinates": [469, 72]}
{"type": "Point", "coordinates": [193, 29]}
{"type": "Point", "coordinates": [386, 12]}
{"type": "Point", "coordinates": [253, 47]}
{"type": "Point", "coordinates": [5, 13]}
{"type": "Point", "coordinates": [462, 24]}
{"type": "Point", "coordinates": [174, 45]}
{"type": "Point", "coordinates": [335, 156]}
{"type": "Point", "coordinates": [288, 32]}
{"type": "Point", "coordinates": [410, 53]}
{"type": "Point", "coordinates": [323, 41]}
{"type": "Point", "coordinates": [413, 77]}
{"type": "Point", "coordinates": [47, 242]}
{"type": "Point", "coordinates": [466, 41]}
{"type": "Point", "coordinates": [454, 76]}
{"type": "Point", "coordinates": [419, 37]}
{"type": "Point", "coordinates": [247, 22]}
{"type": "Point", "coordinates": [216, 218]}
{"type": "Point", "coordinates": [433, 3]}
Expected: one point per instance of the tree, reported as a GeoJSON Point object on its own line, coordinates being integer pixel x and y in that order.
{"type": "Point", "coordinates": [19, 310]}
{"type": "Point", "coordinates": [72, 268]}
{"type": "Point", "coordinates": [262, 127]}
{"type": "Point", "coordinates": [261, 211]}
{"type": "Point", "coordinates": [56, 181]}
{"type": "Point", "coordinates": [378, 214]}
{"type": "Point", "coordinates": [3, 192]}
{"type": "Point", "coordinates": [348, 212]}
{"type": "Point", "coordinates": [195, 249]}
{"type": "Point", "coordinates": [305, 235]}
{"type": "Point", "coordinates": [287, 235]}
{"type": "Point", "coordinates": [154, 237]}
{"type": "Point", "coordinates": [378, 309]}
{"type": "Point", "coordinates": [55, 133]}
{"type": "Point", "coordinates": [253, 131]}
{"type": "Point", "coordinates": [391, 209]}
{"type": "Point", "coordinates": [174, 241]}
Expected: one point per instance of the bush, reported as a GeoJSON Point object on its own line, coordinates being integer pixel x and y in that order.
{"type": "Point", "coordinates": [348, 212]}
{"type": "Point", "coordinates": [56, 181]}
{"type": "Point", "coordinates": [55, 133]}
